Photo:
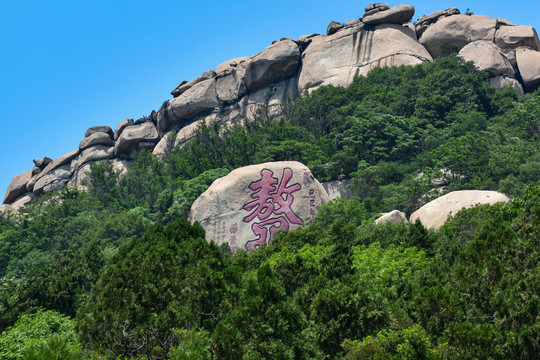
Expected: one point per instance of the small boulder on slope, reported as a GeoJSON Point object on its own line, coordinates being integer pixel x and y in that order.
{"type": "Point", "coordinates": [435, 213]}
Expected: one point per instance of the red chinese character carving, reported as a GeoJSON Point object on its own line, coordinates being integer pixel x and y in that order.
{"type": "Point", "coordinates": [271, 198]}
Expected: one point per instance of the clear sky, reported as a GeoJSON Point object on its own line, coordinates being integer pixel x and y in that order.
{"type": "Point", "coordinates": [67, 65]}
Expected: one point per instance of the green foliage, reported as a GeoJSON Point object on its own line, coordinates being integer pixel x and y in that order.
{"type": "Point", "coordinates": [33, 333]}
{"type": "Point", "coordinates": [412, 343]}
{"type": "Point", "coordinates": [171, 278]}
{"type": "Point", "coordinates": [386, 272]}
{"type": "Point", "coordinates": [190, 190]}
{"type": "Point", "coordinates": [145, 284]}
{"type": "Point", "coordinates": [194, 345]}
{"type": "Point", "coordinates": [263, 323]}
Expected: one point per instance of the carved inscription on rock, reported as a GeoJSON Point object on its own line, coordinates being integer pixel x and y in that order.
{"type": "Point", "coordinates": [246, 208]}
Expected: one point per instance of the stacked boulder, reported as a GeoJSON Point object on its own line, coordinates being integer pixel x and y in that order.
{"type": "Point", "coordinates": [241, 88]}
{"type": "Point", "coordinates": [508, 52]}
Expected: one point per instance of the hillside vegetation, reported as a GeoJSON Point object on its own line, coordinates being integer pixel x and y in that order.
{"type": "Point", "coordinates": [117, 272]}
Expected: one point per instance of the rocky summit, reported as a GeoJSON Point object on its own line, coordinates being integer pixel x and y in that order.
{"type": "Point", "coordinates": [240, 88]}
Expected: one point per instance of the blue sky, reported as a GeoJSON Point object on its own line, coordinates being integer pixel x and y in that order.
{"type": "Point", "coordinates": [67, 65]}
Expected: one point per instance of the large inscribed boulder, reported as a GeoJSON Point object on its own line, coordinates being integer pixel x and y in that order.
{"type": "Point", "coordinates": [248, 206]}
{"type": "Point", "coordinates": [434, 214]}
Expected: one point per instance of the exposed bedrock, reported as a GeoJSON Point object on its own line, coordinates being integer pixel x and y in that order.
{"type": "Point", "coordinates": [339, 58]}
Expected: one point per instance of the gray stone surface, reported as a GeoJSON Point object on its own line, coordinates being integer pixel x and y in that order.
{"type": "Point", "coordinates": [56, 163]}
{"type": "Point", "coordinates": [166, 143]}
{"type": "Point", "coordinates": [333, 27]}
{"type": "Point", "coordinates": [486, 56]}
{"type": "Point", "coordinates": [396, 15]}
{"type": "Point", "coordinates": [511, 37]}
{"type": "Point", "coordinates": [528, 62]}
{"type": "Point", "coordinates": [121, 126]}
{"type": "Point", "coordinates": [198, 99]}
{"type": "Point", "coordinates": [186, 85]}
{"type": "Point", "coordinates": [99, 129]}
{"type": "Point", "coordinates": [394, 216]}
{"type": "Point", "coordinates": [132, 135]}
{"type": "Point", "coordinates": [450, 34]}
{"type": "Point", "coordinates": [53, 180]}
{"type": "Point", "coordinates": [245, 208]}
{"type": "Point", "coordinates": [338, 189]}
{"type": "Point", "coordinates": [17, 187]}
{"type": "Point", "coordinates": [41, 163]}
{"type": "Point", "coordinates": [501, 81]}
{"type": "Point", "coordinates": [339, 58]}
{"type": "Point", "coordinates": [23, 200]}
{"type": "Point", "coordinates": [96, 138]}
{"type": "Point", "coordinates": [275, 63]}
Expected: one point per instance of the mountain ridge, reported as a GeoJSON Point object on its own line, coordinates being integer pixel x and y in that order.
{"type": "Point", "coordinates": [239, 88]}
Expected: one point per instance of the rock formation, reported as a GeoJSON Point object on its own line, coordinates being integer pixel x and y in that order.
{"type": "Point", "coordinates": [394, 216]}
{"type": "Point", "coordinates": [248, 206]}
{"type": "Point", "coordinates": [237, 89]}
{"type": "Point", "coordinates": [435, 213]}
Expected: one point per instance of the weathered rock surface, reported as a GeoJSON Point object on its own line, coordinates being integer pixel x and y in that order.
{"type": "Point", "coordinates": [435, 213]}
{"type": "Point", "coordinates": [94, 153]}
{"type": "Point", "coordinates": [511, 37]}
{"type": "Point", "coordinates": [133, 135]}
{"type": "Point", "coordinates": [352, 22]}
{"type": "Point", "coordinates": [53, 165]}
{"type": "Point", "coordinates": [377, 6]}
{"type": "Point", "coordinates": [242, 88]}
{"type": "Point", "coordinates": [23, 200]}
{"type": "Point", "coordinates": [17, 187]}
{"type": "Point", "coordinates": [230, 65]}
{"type": "Point", "coordinates": [186, 85]}
{"type": "Point", "coordinates": [338, 189]}
{"type": "Point", "coordinates": [396, 15]}
{"type": "Point", "coordinates": [199, 98]}
{"type": "Point", "coordinates": [425, 21]}
{"type": "Point", "coordinates": [275, 63]}
{"type": "Point", "coordinates": [99, 129]}
{"type": "Point", "coordinates": [337, 59]}
{"type": "Point", "coordinates": [41, 163]}
{"type": "Point", "coordinates": [166, 143]}
{"type": "Point", "coordinates": [121, 126]}
{"type": "Point", "coordinates": [53, 180]}
{"type": "Point", "coordinates": [245, 208]}
{"type": "Point", "coordinates": [394, 216]}
{"type": "Point", "coordinates": [269, 99]}
{"type": "Point", "coordinates": [528, 62]}
{"type": "Point", "coordinates": [452, 33]}
{"type": "Point", "coordinates": [230, 84]}
{"type": "Point", "coordinates": [486, 56]}
{"type": "Point", "coordinates": [80, 177]}
{"type": "Point", "coordinates": [501, 81]}
{"type": "Point", "coordinates": [334, 27]}
{"type": "Point", "coordinates": [96, 138]}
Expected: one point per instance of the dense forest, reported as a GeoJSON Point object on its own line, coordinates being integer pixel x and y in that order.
{"type": "Point", "coordinates": [116, 272]}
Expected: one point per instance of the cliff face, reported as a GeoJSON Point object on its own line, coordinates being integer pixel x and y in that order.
{"type": "Point", "coordinates": [239, 88]}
